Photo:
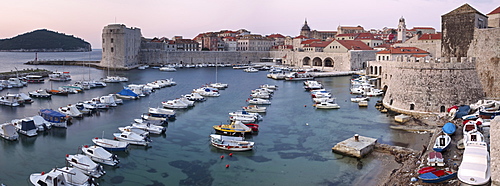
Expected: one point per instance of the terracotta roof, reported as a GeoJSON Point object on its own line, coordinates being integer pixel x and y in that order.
{"type": "Point", "coordinates": [349, 34]}
{"type": "Point", "coordinates": [366, 36]}
{"type": "Point", "coordinates": [430, 37]}
{"type": "Point", "coordinates": [403, 50]}
{"type": "Point", "coordinates": [386, 46]}
{"type": "Point", "coordinates": [352, 27]}
{"type": "Point", "coordinates": [306, 42]}
{"type": "Point", "coordinates": [276, 36]}
{"type": "Point", "coordinates": [300, 37]}
{"type": "Point", "coordinates": [430, 28]}
{"type": "Point", "coordinates": [496, 11]}
{"type": "Point", "coordinates": [354, 45]}
{"type": "Point", "coordinates": [321, 44]}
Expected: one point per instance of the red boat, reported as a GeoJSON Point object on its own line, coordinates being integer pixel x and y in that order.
{"type": "Point", "coordinates": [254, 127]}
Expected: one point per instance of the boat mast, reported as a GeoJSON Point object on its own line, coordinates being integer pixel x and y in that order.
{"type": "Point", "coordinates": [216, 70]}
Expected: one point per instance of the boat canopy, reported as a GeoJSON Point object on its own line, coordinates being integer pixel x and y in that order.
{"type": "Point", "coordinates": [127, 92]}
{"type": "Point", "coordinates": [9, 130]}
{"type": "Point", "coordinates": [52, 115]}
{"type": "Point", "coordinates": [28, 125]}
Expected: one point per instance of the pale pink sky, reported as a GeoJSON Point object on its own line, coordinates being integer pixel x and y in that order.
{"type": "Point", "coordinates": [167, 18]}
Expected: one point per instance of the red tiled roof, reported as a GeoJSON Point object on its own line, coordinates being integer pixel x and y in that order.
{"type": "Point", "coordinates": [349, 34]}
{"type": "Point", "coordinates": [430, 37]}
{"type": "Point", "coordinates": [383, 46]}
{"type": "Point", "coordinates": [352, 27]}
{"type": "Point", "coordinates": [306, 42]}
{"type": "Point", "coordinates": [276, 36]}
{"type": "Point", "coordinates": [496, 11]}
{"type": "Point", "coordinates": [321, 44]}
{"type": "Point", "coordinates": [403, 50]}
{"type": "Point", "coordinates": [423, 28]}
{"type": "Point", "coordinates": [300, 37]}
{"type": "Point", "coordinates": [354, 45]}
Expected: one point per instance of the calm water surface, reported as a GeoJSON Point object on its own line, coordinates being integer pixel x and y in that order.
{"type": "Point", "coordinates": [288, 152]}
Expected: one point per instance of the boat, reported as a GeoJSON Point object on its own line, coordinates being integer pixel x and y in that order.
{"type": "Point", "coordinates": [264, 90]}
{"type": "Point", "coordinates": [111, 145]}
{"type": "Point", "coordinates": [132, 138]}
{"type": "Point", "coordinates": [16, 82]}
{"type": "Point", "coordinates": [321, 93]}
{"type": "Point", "coordinates": [154, 129]}
{"type": "Point", "coordinates": [235, 128]}
{"type": "Point", "coordinates": [254, 108]}
{"type": "Point", "coordinates": [264, 95]}
{"type": "Point", "coordinates": [442, 143]}
{"type": "Point", "coordinates": [59, 92]}
{"type": "Point", "coordinates": [230, 143]}
{"type": "Point", "coordinates": [475, 166]}
{"type": "Point", "coordinates": [207, 91]}
{"type": "Point", "coordinates": [60, 76]}
{"type": "Point", "coordinates": [71, 111]}
{"type": "Point", "coordinates": [298, 76]}
{"type": "Point", "coordinates": [243, 113]}
{"type": "Point", "coordinates": [8, 132]}
{"type": "Point", "coordinates": [435, 159]}
{"type": "Point", "coordinates": [12, 100]}
{"type": "Point", "coordinates": [40, 123]}
{"type": "Point", "coordinates": [258, 101]}
{"type": "Point", "coordinates": [426, 169]}
{"type": "Point", "coordinates": [186, 101]}
{"type": "Point", "coordinates": [437, 176]}
{"type": "Point", "coordinates": [168, 69]}
{"type": "Point", "coordinates": [114, 79]}
{"type": "Point", "coordinates": [152, 122]}
{"type": "Point", "coordinates": [100, 155]}
{"type": "Point", "coordinates": [142, 67]}
{"type": "Point", "coordinates": [473, 137]}
{"type": "Point", "coordinates": [326, 105]}
{"type": "Point", "coordinates": [312, 85]}
{"type": "Point", "coordinates": [242, 119]}
{"type": "Point", "coordinates": [25, 126]}
{"type": "Point", "coordinates": [449, 128]}
{"type": "Point", "coordinates": [85, 164]}
{"type": "Point", "coordinates": [127, 94]}
{"type": "Point", "coordinates": [108, 100]}
{"type": "Point", "coordinates": [159, 114]}
{"type": "Point", "coordinates": [469, 126]}
{"type": "Point", "coordinates": [62, 176]}
{"type": "Point", "coordinates": [250, 69]}
{"type": "Point", "coordinates": [134, 130]}
{"type": "Point", "coordinates": [320, 100]}
{"type": "Point", "coordinates": [269, 86]}
{"type": "Point", "coordinates": [40, 93]}
{"type": "Point", "coordinates": [56, 119]}
{"type": "Point", "coordinates": [360, 98]}
{"type": "Point", "coordinates": [253, 126]}
{"type": "Point", "coordinates": [194, 97]}
{"type": "Point", "coordinates": [34, 79]}
{"type": "Point", "coordinates": [25, 98]}
{"type": "Point", "coordinates": [173, 104]}
{"type": "Point", "coordinates": [363, 103]}
{"type": "Point", "coordinates": [219, 86]}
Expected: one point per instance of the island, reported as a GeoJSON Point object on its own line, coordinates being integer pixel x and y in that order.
{"type": "Point", "coordinates": [44, 40]}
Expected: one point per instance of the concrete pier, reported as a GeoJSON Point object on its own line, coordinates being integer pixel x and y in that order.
{"type": "Point", "coordinates": [357, 146]}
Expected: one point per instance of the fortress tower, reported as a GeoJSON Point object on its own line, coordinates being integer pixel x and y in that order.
{"type": "Point", "coordinates": [120, 46]}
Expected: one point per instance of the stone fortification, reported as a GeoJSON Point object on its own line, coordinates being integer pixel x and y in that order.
{"type": "Point", "coordinates": [352, 60]}
{"type": "Point", "coordinates": [161, 57]}
{"type": "Point", "coordinates": [416, 86]}
{"type": "Point", "coordinates": [486, 49]}
{"type": "Point", "coordinates": [120, 46]}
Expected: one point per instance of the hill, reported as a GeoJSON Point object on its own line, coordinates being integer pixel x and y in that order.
{"type": "Point", "coordinates": [44, 40]}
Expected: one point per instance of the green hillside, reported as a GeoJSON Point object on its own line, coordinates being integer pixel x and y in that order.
{"type": "Point", "coordinates": [44, 40]}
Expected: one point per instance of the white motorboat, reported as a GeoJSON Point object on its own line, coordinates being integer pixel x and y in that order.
{"type": "Point", "coordinates": [312, 85]}
{"type": "Point", "coordinates": [159, 114]}
{"type": "Point", "coordinates": [326, 105]}
{"type": "Point", "coordinates": [12, 100]}
{"type": "Point", "coordinates": [359, 98]}
{"type": "Point", "coordinates": [207, 91]}
{"type": "Point", "coordinates": [34, 79]}
{"type": "Point", "coordinates": [254, 115]}
{"type": "Point", "coordinates": [71, 111]}
{"type": "Point", "coordinates": [16, 82]}
{"type": "Point", "coordinates": [186, 101]}
{"type": "Point", "coordinates": [85, 164]}
{"type": "Point", "coordinates": [194, 97]}
{"type": "Point", "coordinates": [259, 101]}
{"type": "Point", "coordinates": [155, 129]}
{"type": "Point", "coordinates": [60, 76]}
{"type": "Point", "coordinates": [154, 85]}
{"type": "Point", "coordinates": [320, 100]}
{"type": "Point", "coordinates": [100, 155]}
{"type": "Point", "coordinates": [115, 79]}
{"type": "Point", "coordinates": [298, 76]}
{"type": "Point", "coordinates": [173, 104]}
{"type": "Point", "coordinates": [254, 108]}
{"type": "Point", "coordinates": [8, 132]}
{"type": "Point", "coordinates": [132, 138]}
{"type": "Point", "coordinates": [218, 85]}
{"type": "Point", "coordinates": [25, 98]}
{"type": "Point", "coordinates": [242, 119]}
{"type": "Point", "coordinates": [363, 103]}
{"type": "Point", "coordinates": [263, 95]}
{"type": "Point", "coordinates": [62, 176]}
{"type": "Point", "coordinates": [40, 123]}
{"type": "Point", "coordinates": [250, 69]}
{"type": "Point", "coordinates": [265, 90]}
{"type": "Point", "coordinates": [151, 122]}
{"type": "Point", "coordinates": [230, 143]}
{"type": "Point", "coordinates": [117, 100]}
{"type": "Point", "coordinates": [111, 145]}
{"type": "Point", "coordinates": [108, 100]}
{"type": "Point", "coordinates": [269, 86]}
{"type": "Point", "coordinates": [134, 130]}
{"type": "Point", "coordinates": [166, 82]}
{"type": "Point", "coordinates": [168, 69]}
{"type": "Point", "coordinates": [25, 126]}
{"type": "Point", "coordinates": [475, 166]}
{"type": "Point", "coordinates": [40, 93]}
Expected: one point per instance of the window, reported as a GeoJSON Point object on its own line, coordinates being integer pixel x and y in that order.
{"type": "Point", "coordinates": [112, 49]}
{"type": "Point", "coordinates": [412, 106]}
{"type": "Point", "coordinates": [112, 40]}
{"type": "Point", "coordinates": [102, 40]}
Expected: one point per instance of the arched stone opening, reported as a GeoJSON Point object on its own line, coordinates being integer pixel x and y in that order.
{"type": "Point", "coordinates": [442, 109]}
{"type": "Point", "coordinates": [412, 106]}
{"type": "Point", "coordinates": [306, 61]}
{"type": "Point", "coordinates": [317, 62]}
{"type": "Point", "coordinates": [376, 71]}
{"type": "Point", "coordinates": [379, 70]}
{"type": "Point", "coordinates": [390, 102]}
{"type": "Point", "coordinates": [329, 62]}
{"type": "Point", "coordinates": [371, 70]}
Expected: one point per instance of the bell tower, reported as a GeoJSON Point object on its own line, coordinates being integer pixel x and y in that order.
{"type": "Point", "coordinates": [402, 30]}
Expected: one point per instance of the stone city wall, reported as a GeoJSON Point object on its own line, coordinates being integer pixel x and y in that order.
{"type": "Point", "coordinates": [416, 86]}
{"type": "Point", "coordinates": [341, 61]}
{"type": "Point", "coordinates": [486, 49]}
{"type": "Point", "coordinates": [161, 57]}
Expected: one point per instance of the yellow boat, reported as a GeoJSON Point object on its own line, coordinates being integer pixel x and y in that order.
{"type": "Point", "coordinates": [234, 129]}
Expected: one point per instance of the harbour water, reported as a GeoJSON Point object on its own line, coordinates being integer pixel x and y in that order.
{"type": "Point", "coordinates": [293, 146]}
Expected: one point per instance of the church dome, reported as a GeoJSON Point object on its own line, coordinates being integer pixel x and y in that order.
{"type": "Point", "coordinates": [306, 27]}
{"type": "Point", "coordinates": [401, 19]}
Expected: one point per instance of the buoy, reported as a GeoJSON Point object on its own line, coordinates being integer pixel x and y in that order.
{"type": "Point", "coordinates": [231, 154]}
{"type": "Point", "coordinates": [227, 165]}
{"type": "Point", "coordinates": [43, 173]}
{"type": "Point", "coordinates": [67, 155]}
{"type": "Point", "coordinates": [305, 105]}
{"type": "Point", "coordinates": [307, 123]}
{"type": "Point", "coordinates": [222, 157]}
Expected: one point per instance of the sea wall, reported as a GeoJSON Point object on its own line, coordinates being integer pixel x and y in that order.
{"type": "Point", "coordinates": [495, 151]}
{"type": "Point", "coordinates": [161, 57]}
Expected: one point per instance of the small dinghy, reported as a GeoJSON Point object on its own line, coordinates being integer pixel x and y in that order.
{"type": "Point", "coordinates": [449, 128]}
{"type": "Point", "coordinates": [100, 155]}
{"type": "Point", "coordinates": [85, 164]}
{"type": "Point", "coordinates": [111, 145]}
{"type": "Point", "coordinates": [134, 130]}
{"type": "Point", "coordinates": [442, 143]}
{"type": "Point", "coordinates": [437, 176]}
{"type": "Point", "coordinates": [230, 143]}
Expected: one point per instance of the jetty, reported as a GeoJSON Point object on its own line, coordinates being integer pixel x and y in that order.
{"type": "Point", "coordinates": [357, 146]}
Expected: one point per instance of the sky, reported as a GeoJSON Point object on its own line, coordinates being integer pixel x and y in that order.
{"type": "Point", "coordinates": [167, 18]}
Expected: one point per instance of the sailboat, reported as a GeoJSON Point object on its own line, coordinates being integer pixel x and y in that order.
{"type": "Point", "coordinates": [217, 84]}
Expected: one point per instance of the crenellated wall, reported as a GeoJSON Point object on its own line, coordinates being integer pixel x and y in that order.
{"type": "Point", "coordinates": [417, 86]}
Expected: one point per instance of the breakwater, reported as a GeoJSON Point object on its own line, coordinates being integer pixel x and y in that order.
{"type": "Point", "coordinates": [25, 72]}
